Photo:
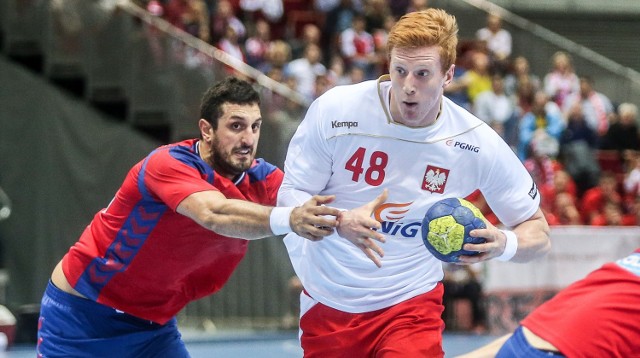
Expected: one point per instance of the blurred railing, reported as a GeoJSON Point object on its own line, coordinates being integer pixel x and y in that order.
{"type": "Point", "coordinates": [125, 54]}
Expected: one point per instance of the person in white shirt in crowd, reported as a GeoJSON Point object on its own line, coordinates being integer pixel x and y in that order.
{"type": "Point", "coordinates": [596, 106]}
{"type": "Point", "coordinates": [498, 110]}
{"type": "Point", "coordinates": [306, 69]}
{"type": "Point", "coordinates": [498, 40]}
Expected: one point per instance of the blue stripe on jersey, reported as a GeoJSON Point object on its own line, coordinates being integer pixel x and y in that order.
{"type": "Point", "coordinates": [189, 157]}
{"type": "Point", "coordinates": [260, 171]}
{"type": "Point", "coordinates": [129, 239]}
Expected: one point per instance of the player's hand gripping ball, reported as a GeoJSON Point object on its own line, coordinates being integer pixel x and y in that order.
{"type": "Point", "coordinates": [446, 227]}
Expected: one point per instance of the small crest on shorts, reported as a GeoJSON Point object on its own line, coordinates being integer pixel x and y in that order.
{"type": "Point", "coordinates": [435, 179]}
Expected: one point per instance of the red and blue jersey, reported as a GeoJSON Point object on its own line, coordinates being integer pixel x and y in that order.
{"type": "Point", "coordinates": [596, 316]}
{"type": "Point", "coordinates": [140, 256]}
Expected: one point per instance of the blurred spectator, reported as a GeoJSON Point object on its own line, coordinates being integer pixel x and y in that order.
{"type": "Point", "coordinates": [456, 90]}
{"type": "Point", "coordinates": [478, 78]}
{"type": "Point", "coordinates": [380, 36]}
{"type": "Point", "coordinates": [281, 123]}
{"type": "Point", "coordinates": [357, 47]}
{"type": "Point", "coordinates": [564, 211]}
{"type": "Point", "coordinates": [561, 81]}
{"type": "Point", "coordinates": [596, 107]}
{"type": "Point", "coordinates": [562, 183]}
{"type": "Point", "coordinates": [464, 282]}
{"type": "Point", "coordinates": [305, 70]}
{"type": "Point", "coordinates": [632, 218]}
{"type": "Point", "coordinates": [594, 200]}
{"type": "Point", "coordinates": [417, 5]}
{"type": "Point", "coordinates": [623, 135]}
{"type": "Point", "coordinates": [355, 75]}
{"type": "Point", "coordinates": [398, 7]}
{"type": "Point", "coordinates": [191, 16]}
{"type": "Point", "coordinates": [578, 144]}
{"type": "Point", "coordinates": [611, 215]}
{"type": "Point", "coordinates": [577, 128]}
{"type": "Point", "coordinates": [272, 10]}
{"type": "Point", "coordinates": [278, 56]}
{"type": "Point", "coordinates": [257, 46]}
{"type": "Point", "coordinates": [223, 17]}
{"type": "Point", "coordinates": [338, 18]}
{"type": "Point", "coordinates": [498, 42]}
{"type": "Point", "coordinates": [376, 13]}
{"type": "Point", "coordinates": [631, 182]}
{"type": "Point", "coordinates": [538, 123]}
{"type": "Point", "coordinates": [322, 85]}
{"type": "Point", "coordinates": [310, 35]}
{"type": "Point", "coordinates": [329, 5]}
{"type": "Point", "coordinates": [541, 164]}
{"type": "Point", "coordinates": [524, 96]}
{"type": "Point", "coordinates": [498, 110]}
{"type": "Point", "coordinates": [520, 73]}
{"type": "Point", "coordinates": [230, 44]}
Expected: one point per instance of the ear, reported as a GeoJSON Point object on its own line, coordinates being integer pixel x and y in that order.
{"type": "Point", "coordinates": [206, 130]}
{"type": "Point", "coordinates": [448, 76]}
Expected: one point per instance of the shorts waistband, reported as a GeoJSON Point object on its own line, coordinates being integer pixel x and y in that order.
{"type": "Point", "coordinates": [86, 304]}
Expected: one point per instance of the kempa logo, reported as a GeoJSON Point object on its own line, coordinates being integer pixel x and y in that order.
{"type": "Point", "coordinates": [336, 124]}
{"type": "Point", "coordinates": [461, 145]}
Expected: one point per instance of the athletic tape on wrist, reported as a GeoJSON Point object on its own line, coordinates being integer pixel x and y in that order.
{"type": "Point", "coordinates": [511, 247]}
{"type": "Point", "coordinates": [279, 220]}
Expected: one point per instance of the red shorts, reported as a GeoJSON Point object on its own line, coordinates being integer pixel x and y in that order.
{"type": "Point", "coordinates": [412, 328]}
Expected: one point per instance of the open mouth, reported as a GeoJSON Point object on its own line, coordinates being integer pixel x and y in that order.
{"type": "Point", "coordinates": [243, 152]}
{"type": "Point", "coordinates": [410, 105]}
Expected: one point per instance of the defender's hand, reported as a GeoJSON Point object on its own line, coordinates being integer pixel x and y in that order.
{"type": "Point", "coordinates": [313, 220]}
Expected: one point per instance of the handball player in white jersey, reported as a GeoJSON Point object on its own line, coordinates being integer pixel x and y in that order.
{"type": "Point", "coordinates": [372, 289]}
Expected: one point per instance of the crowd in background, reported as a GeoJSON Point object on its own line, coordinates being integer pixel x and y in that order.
{"type": "Point", "coordinates": [581, 148]}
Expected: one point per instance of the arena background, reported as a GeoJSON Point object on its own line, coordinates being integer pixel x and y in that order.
{"type": "Point", "coordinates": [87, 88]}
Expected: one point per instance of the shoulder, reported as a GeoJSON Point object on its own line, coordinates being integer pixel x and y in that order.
{"type": "Point", "coordinates": [261, 170]}
{"type": "Point", "coordinates": [348, 97]}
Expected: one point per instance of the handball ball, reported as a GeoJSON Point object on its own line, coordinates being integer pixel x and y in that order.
{"type": "Point", "coordinates": [446, 227]}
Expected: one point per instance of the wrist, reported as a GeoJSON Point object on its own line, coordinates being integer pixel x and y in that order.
{"type": "Point", "coordinates": [511, 246]}
{"type": "Point", "coordinates": [280, 220]}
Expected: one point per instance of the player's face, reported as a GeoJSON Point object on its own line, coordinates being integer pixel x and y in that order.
{"type": "Point", "coordinates": [234, 142]}
{"type": "Point", "coordinates": [417, 85]}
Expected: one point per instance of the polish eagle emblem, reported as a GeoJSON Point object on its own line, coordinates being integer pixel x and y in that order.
{"type": "Point", "coordinates": [435, 179]}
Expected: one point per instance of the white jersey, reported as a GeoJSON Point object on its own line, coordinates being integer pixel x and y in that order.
{"type": "Point", "coordinates": [348, 145]}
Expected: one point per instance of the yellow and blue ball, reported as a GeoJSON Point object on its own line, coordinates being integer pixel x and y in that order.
{"type": "Point", "coordinates": [446, 227]}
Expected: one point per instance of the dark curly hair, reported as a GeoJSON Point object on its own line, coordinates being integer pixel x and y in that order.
{"type": "Point", "coordinates": [229, 90]}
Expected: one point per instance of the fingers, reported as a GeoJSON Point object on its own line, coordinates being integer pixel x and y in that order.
{"type": "Point", "coordinates": [323, 199]}
{"type": "Point", "coordinates": [316, 233]}
{"type": "Point", "coordinates": [371, 256]}
{"type": "Point", "coordinates": [378, 200]}
{"type": "Point", "coordinates": [371, 246]}
{"type": "Point", "coordinates": [492, 247]}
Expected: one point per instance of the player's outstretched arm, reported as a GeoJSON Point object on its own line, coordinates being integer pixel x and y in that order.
{"type": "Point", "coordinates": [247, 220]}
{"type": "Point", "coordinates": [532, 241]}
{"type": "Point", "coordinates": [359, 228]}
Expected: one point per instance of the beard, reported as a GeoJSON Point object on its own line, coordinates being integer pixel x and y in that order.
{"type": "Point", "coordinates": [225, 163]}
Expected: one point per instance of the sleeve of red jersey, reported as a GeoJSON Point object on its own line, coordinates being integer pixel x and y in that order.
{"type": "Point", "coordinates": [172, 180]}
{"type": "Point", "coordinates": [274, 180]}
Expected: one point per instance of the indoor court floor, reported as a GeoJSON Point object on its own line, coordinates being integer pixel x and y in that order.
{"type": "Point", "coordinates": [266, 345]}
